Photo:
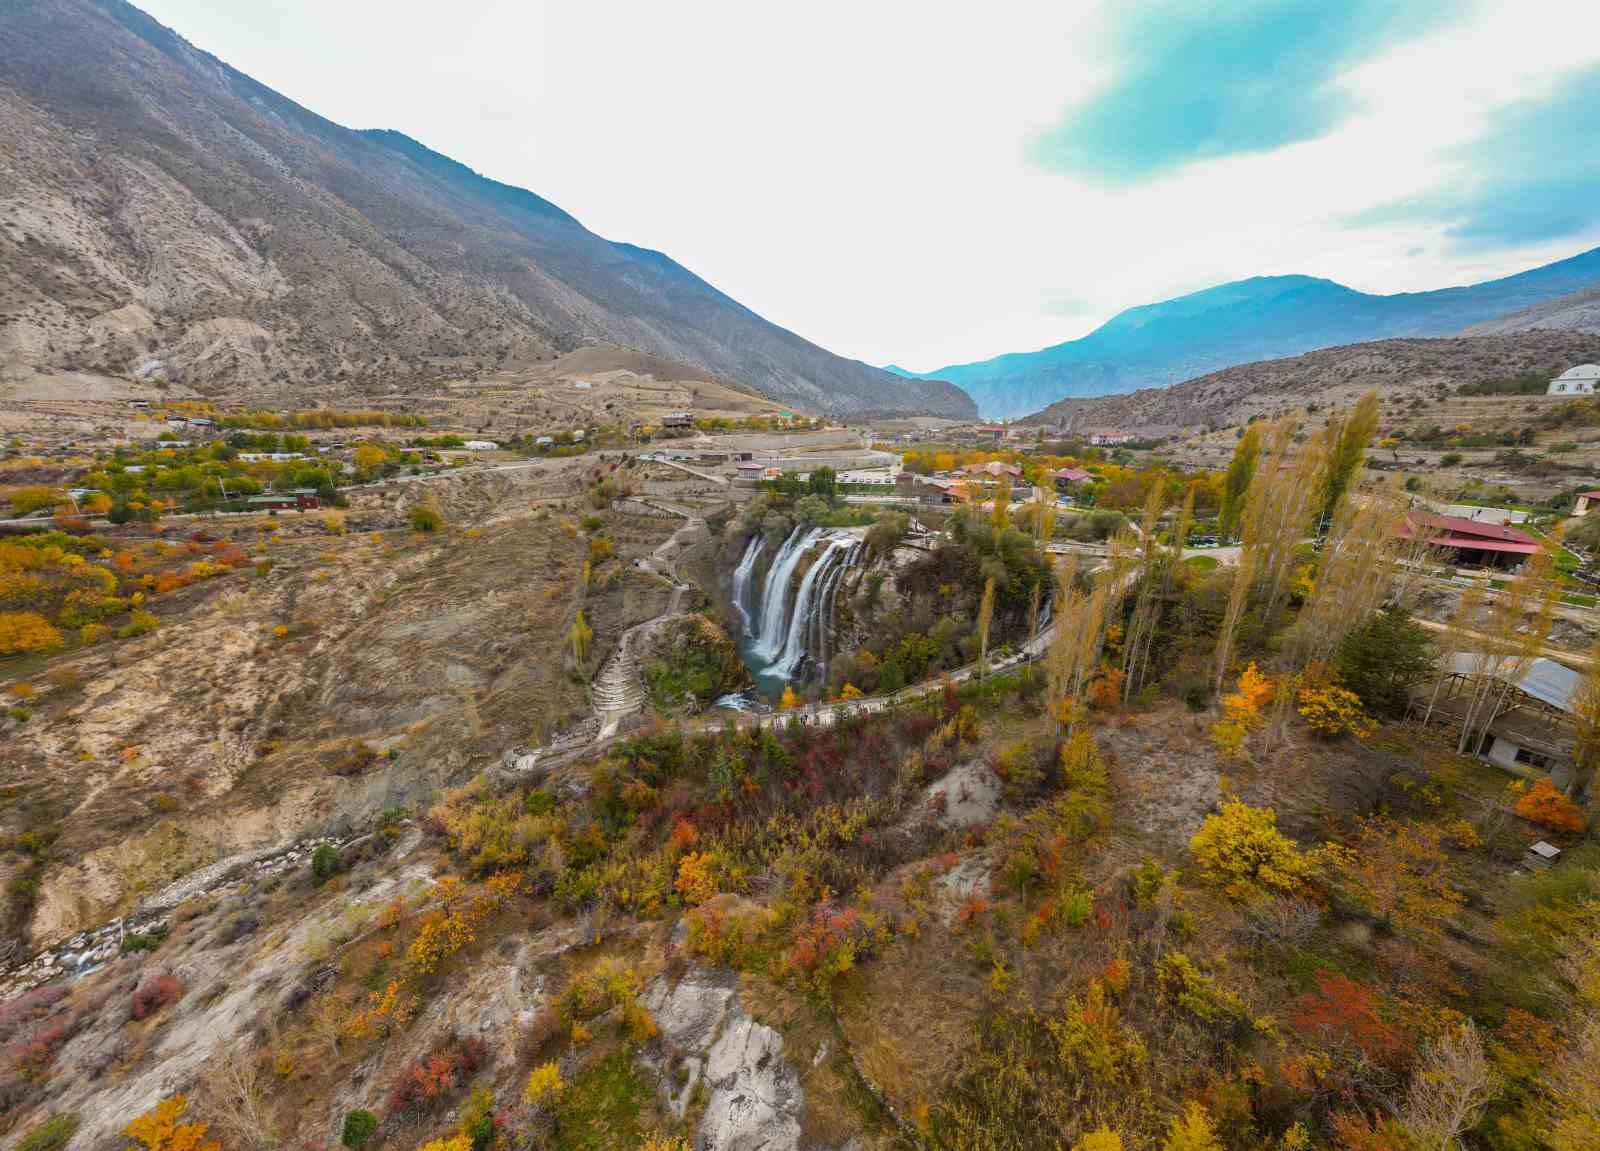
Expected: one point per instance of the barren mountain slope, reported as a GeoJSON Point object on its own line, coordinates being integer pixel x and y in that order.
{"type": "Point", "coordinates": [1578, 312]}
{"type": "Point", "coordinates": [1397, 368]}
{"type": "Point", "coordinates": [163, 214]}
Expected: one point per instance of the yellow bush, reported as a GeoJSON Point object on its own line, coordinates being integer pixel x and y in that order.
{"type": "Point", "coordinates": [23, 632]}
{"type": "Point", "coordinates": [544, 1084]}
{"type": "Point", "coordinates": [1241, 850]}
{"type": "Point", "coordinates": [1332, 711]}
{"type": "Point", "coordinates": [159, 1130]}
{"type": "Point", "coordinates": [696, 881]}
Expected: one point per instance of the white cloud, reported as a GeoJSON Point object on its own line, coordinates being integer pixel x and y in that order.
{"type": "Point", "coordinates": [858, 172]}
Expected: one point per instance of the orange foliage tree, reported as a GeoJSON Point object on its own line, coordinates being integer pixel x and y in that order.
{"type": "Point", "coordinates": [1544, 804]}
{"type": "Point", "coordinates": [22, 632]}
{"type": "Point", "coordinates": [159, 1130]}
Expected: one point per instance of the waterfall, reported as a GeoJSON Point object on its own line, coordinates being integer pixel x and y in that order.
{"type": "Point", "coordinates": [741, 577]}
{"type": "Point", "coordinates": [830, 593]}
{"type": "Point", "coordinates": [794, 648]}
{"type": "Point", "coordinates": [768, 633]}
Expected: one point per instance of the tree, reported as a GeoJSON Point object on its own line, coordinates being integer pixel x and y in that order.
{"type": "Point", "coordinates": [789, 700]}
{"type": "Point", "coordinates": [359, 1126]}
{"type": "Point", "coordinates": [23, 632]}
{"type": "Point", "coordinates": [1102, 1138]}
{"type": "Point", "coordinates": [1241, 850]}
{"type": "Point", "coordinates": [823, 482]}
{"type": "Point", "coordinates": [579, 636]}
{"type": "Point", "coordinates": [1401, 871]}
{"type": "Point", "coordinates": [425, 518]}
{"type": "Point", "coordinates": [1192, 1130]}
{"type": "Point", "coordinates": [1383, 658]}
{"type": "Point", "coordinates": [1450, 1088]}
{"type": "Point", "coordinates": [159, 1130]}
{"type": "Point", "coordinates": [1241, 469]}
{"type": "Point", "coordinates": [1544, 804]}
{"type": "Point", "coordinates": [985, 618]}
{"type": "Point", "coordinates": [697, 881]}
{"type": "Point", "coordinates": [1354, 433]}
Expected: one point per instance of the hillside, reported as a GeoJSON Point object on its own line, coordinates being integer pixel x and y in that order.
{"type": "Point", "coordinates": [164, 215]}
{"type": "Point", "coordinates": [1400, 369]}
{"type": "Point", "coordinates": [1256, 319]}
{"type": "Point", "coordinates": [1579, 312]}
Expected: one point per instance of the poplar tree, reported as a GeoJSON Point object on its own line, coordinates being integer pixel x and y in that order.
{"type": "Point", "coordinates": [1241, 469]}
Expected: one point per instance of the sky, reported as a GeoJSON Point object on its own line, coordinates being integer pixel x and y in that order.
{"type": "Point", "coordinates": [934, 183]}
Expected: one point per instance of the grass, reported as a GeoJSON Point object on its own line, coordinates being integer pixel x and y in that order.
{"type": "Point", "coordinates": [601, 1109]}
{"type": "Point", "coordinates": [1203, 563]}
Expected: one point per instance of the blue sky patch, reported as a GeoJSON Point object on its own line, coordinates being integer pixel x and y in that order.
{"type": "Point", "coordinates": [1196, 82]}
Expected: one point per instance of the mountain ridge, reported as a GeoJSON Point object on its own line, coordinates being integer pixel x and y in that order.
{"type": "Point", "coordinates": [170, 215]}
{"type": "Point", "coordinates": [1259, 318]}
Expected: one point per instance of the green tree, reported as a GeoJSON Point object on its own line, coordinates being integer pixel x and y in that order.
{"type": "Point", "coordinates": [359, 1126]}
{"type": "Point", "coordinates": [823, 482]}
{"type": "Point", "coordinates": [1355, 432]}
{"type": "Point", "coordinates": [985, 618]}
{"type": "Point", "coordinates": [1383, 658]}
{"type": "Point", "coordinates": [1241, 470]}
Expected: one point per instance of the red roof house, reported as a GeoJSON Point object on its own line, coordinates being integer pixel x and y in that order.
{"type": "Point", "coordinates": [1473, 541]}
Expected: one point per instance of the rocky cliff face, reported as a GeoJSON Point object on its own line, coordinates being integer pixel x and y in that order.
{"type": "Point", "coordinates": [164, 215]}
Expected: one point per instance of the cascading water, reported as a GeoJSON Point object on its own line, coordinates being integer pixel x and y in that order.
{"type": "Point", "coordinates": [769, 632]}
{"type": "Point", "coordinates": [785, 625]}
{"type": "Point", "coordinates": [805, 602]}
{"type": "Point", "coordinates": [741, 578]}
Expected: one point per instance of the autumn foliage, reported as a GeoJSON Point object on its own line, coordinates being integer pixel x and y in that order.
{"type": "Point", "coordinates": [1544, 804]}
{"type": "Point", "coordinates": [159, 1130]}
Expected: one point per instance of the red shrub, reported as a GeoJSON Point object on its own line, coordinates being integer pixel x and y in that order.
{"type": "Point", "coordinates": [1343, 1011]}
{"type": "Point", "coordinates": [154, 993]}
{"type": "Point", "coordinates": [426, 1084]}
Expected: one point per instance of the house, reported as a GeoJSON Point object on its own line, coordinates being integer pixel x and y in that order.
{"type": "Point", "coordinates": [545, 442]}
{"type": "Point", "coordinates": [177, 421]}
{"type": "Point", "coordinates": [991, 431]}
{"type": "Point", "coordinates": [1531, 730]}
{"type": "Point", "coordinates": [938, 490]}
{"type": "Point", "coordinates": [677, 420]}
{"type": "Point", "coordinates": [1110, 438]}
{"type": "Point", "coordinates": [138, 403]}
{"type": "Point", "coordinates": [582, 385]}
{"type": "Point", "coordinates": [1580, 507]}
{"type": "Point", "coordinates": [1578, 381]}
{"type": "Point", "coordinates": [275, 457]}
{"type": "Point", "coordinates": [300, 499]}
{"type": "Point", "coordinates": [173, 443]}
{"type": "Point", "coordinates": [480, 445]}
{"type": "Point", "coordinates": [1471, 543]}
{"type": "Point", "coordinates": [992, 471]}
{"type": "Point", "coordinates": [201, 422]}
{"type": "Point", "coordinates": [1065, 478]}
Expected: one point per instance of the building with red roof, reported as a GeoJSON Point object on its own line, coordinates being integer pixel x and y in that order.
{"type": "Point", "coordinates": [1474, 543]}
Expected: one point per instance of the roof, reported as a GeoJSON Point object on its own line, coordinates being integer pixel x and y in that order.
{"type": "Point", "coordinates": [1544, 679]}
{"type": "Point", "coordinates": [1581, 372]}
{"type": "Point", "coordinates": [1072, 475]}
{"type": "Point", "coordinates": [994, 468]}
{"type": "Point", "coordinates": [1455, 531]}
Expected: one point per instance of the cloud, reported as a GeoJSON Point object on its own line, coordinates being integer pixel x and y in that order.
{"type": "Point", "coordinates": [1196, 82]}
{"type": "Point", "coordinates": [1533, 176]}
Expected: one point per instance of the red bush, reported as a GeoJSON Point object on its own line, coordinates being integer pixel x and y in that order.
{"type": "Point", "coordinates": [425, 1084]}
{"type": "Point", "coordinates": [155, 993]}
{"type": "Point", "coordinates": [1343, 1011]}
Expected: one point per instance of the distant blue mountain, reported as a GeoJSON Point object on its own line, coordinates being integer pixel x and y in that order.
{"type": "Point", "coordinates": [1261, 318]}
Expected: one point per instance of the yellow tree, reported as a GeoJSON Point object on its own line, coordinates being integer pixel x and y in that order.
{"type": "Point", "coordinates": [1192, 1130]}
{"type": "Point", "coordinates": [580, 636]}
{"type": "Point", "coordinates": [1241, 470]}
{"type": "Point", "coordinates": [159, 1130]}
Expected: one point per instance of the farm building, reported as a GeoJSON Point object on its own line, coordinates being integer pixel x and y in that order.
{"type": "Point", "coordinates": [1531, 701]}
{"type": "Point", "coordinates": [1471, 543]}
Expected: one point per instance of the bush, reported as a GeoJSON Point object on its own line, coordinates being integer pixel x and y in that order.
{"type": "Point", "coordinates": [1241, 850]}
{"type": "Point", "coordinates": [22, 632]}
{"type": "Point", "coordinates": [326, 862]}
{"type": "Point", "coordinates": [51, 1135]}
{"type": "Point", "coordinates": [139, 623]}
{"type": "Point", "coordinates": [359, 1126]}
{"type": "Point", "coordinates": [425, 519]}
{"type": "Point", "coordinates": [156, 992]}
{"type": "Point", "coordinates": [1544, 804]}
{"type": "Point", "coordinates": [1331, 712]}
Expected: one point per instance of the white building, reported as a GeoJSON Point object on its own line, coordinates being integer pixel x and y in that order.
{"type": "Point", "coordinates": [1578, 381]}
{"type": "Point", "coordinates": [480, 445]}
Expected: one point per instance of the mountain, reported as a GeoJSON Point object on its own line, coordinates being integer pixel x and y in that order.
{"type": "Point", "coordinates": [1578, 312]}
{"type": "Point", "coordinates": [1261, 318]}
{"type": "Point", "coordinates": [163, 214]}
{"type": "Point", "coordinates": [1405, 372]}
